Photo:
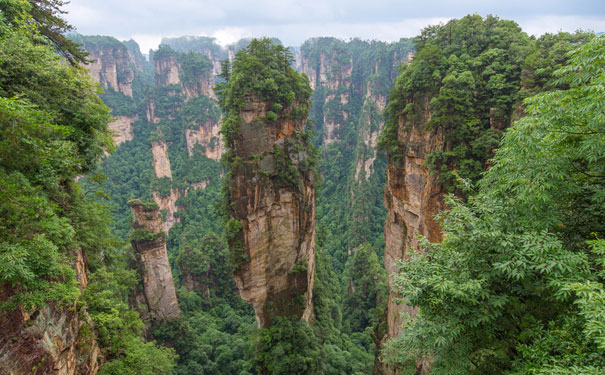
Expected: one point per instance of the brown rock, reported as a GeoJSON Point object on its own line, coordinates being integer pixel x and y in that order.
{"type": "Point", "coordinates": [161, 162]}
{"type": "Point", "coordinates": [54, 340]}
{"type": "Point", "coordinates": [159, 290]}
{"type": "Point", "coordinates": [412, 197]}
{"type": "Point", "coordinates": [167, 71]}
{"type": "Point", "coordinates": [278, 220]}
{"type": "Point", "coordinates": [208, 136]}
{"type": "Point", "coordinates": [122, 129]}
{"type": "Point", "coordinates": [112, 66]}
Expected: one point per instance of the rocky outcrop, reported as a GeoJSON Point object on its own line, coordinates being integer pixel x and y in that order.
{"type": "Point", "coordinates": [161, 166]}
{"type": "Point", "coordinates": [161, 162]}
{"type": "Point", "coordinates": [168, 205]}
{"type": "Point", "coordinates": [342, 79]}
{"type": "Point", "coordinates": [371, 123]}
{"type": "Point", "coordinates": [276, 243]}
{"type": "Point", "coordinates": [55, 340]}
{"type": "Point", "coordinates": [188, 73]}
{"type": "Point", "coordinates": [412, 197]}
{"type": "Point", "coordinates": [149, 242]}
{"type": "Point", "coordinates": [166, 70]}
{"type": "Point", "coordinates": [122, 129]}
{"type": "Point", "coordinates": [207, 135]}
{"type": "Point", "coordinates": [331, 71]}
{"type": "Point", "coordinates": [113, 64]}
{"type": "Point", "coordinates": [150, 111]}
{"type": "Point", "coordinates": [200, 84]}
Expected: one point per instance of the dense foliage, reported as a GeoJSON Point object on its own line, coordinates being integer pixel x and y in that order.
{"type": "Point", "coordinates": [517, 284]}
{"type": "Point", "coordinates": [262, 71]}
{"type": "Point", "coordinates": [212, 335]}
{"type": "Point", "coordinates": [54, 128]}
{"type": "Point", "coordinates": [472, 73]}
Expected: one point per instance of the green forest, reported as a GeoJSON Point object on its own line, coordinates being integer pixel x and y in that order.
{"type": "Point", "coordinates": [516, 285]}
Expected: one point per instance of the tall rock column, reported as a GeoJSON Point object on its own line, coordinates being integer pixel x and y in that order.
{"type": "Point", "coordinates": [149, 242]}
{"type": "Point", "coordinates": [270, 185]}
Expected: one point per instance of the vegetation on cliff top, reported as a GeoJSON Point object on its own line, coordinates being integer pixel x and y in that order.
{"type": "Point", "coordinates": [473, 73]}
{"type": "Point", "coordinates": [261, 71]}
{"type": "Point", "coordinates": [517, 285]}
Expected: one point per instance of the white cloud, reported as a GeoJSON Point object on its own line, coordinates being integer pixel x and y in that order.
{"type": "Point", "coordinates": [294, 21]}
{"type": "Point", "coordinates": [229, 35]}
{"type": "Point", "coordinates": [147, 41]}
{"type": "Point", "coordinates": [542, 24]}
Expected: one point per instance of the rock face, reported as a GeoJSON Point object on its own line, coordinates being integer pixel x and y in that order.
{"type": "Point", "coordinates": [161, 162]}
{"type": "Point", "coordinates": [332, 72]}
{"type": "Point", "coordinates": [412, 197]}
{"type": "Point", "coordinates": [122, 128]}
{"type": "Point", "coordinates": [208, 136]}
{"type": "Point", "coordinates": [191, 84]}
{"type": "Point", "coordinates": [276, 268]}
{"type": "Point", "coordinates": [54, 340]}
{"type": "Point", "coordinates": [149, 242]}
{"type": "Point", "coordinates": [166, 71]}
{"type": "Point", "coordinates": [169, 70]}
{"type": "Point", "coordinates": [114, 65]}
{"type": "Point", "coordinates": [343, 79]}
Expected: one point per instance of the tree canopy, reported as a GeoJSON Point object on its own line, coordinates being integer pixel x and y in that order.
{"type": "Point", "coordinates": [517, 285]}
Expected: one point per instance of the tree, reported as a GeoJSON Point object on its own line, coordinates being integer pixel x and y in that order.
{"type": "Point", "coordinates": [54, 127]}
{"type": "Point", "coordinates": [517, 286]}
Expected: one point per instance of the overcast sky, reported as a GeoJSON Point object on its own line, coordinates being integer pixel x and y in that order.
{"type": "Point", "coordinates": [294, 21]}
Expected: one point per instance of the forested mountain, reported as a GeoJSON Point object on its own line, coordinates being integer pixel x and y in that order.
{"type": "Point", "coordinates": [240, 227]}
{"type": "Point", "coordinates": [516, 284]}
{"type": "Point", "coordinates": [64, 279]}
{"type": "Point", "coordinates": [446, 114]}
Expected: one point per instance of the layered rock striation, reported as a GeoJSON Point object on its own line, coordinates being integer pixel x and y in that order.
{"type": "Point", "coordinates": [277, 217]}
{"type": "Point", "coordinates": [412, 196]}
{"type": "Point", "coordinates": [270, 185]}
{"type": "Point", "coordinates": [149, 242]}
{"type": "Point", "coordinates": [114, 64]}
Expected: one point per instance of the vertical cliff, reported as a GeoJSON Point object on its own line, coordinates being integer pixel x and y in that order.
{"type": "Point", "coordinates": [412, 196]}
{"type": "Point", "coordinates": [54, 340]}
{"type": "Point", "coordinates": [122, 129]}
{"type": "Point", "coordinates": [270, 200]}
{"type": "Point", "coordinates": [114, 65]}
{"type": "Point", "coordinates": [446, 114]}
{"type": "Point", "coordinates": [277, 219]}
{"type": "Point", "coordinates": [182, 108]}
{"type": "Point", "coordinates": [149, 241]}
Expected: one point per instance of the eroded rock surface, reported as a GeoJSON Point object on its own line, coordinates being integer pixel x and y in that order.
{"type": "Point", "coordinates": [149, 242]}
{"type": "Point", "coordinates": [114, 66]}
{"type": "Point", "coordinates": [412, 197]}
{"type": "Point", "coordinates": [122, 129]}
{"type": "Point", "coordinates": [55, 340]}
{"type": "Point", "coordinates": [276, 270]}
{"type": "Point", "coordinates": [207, 135]}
